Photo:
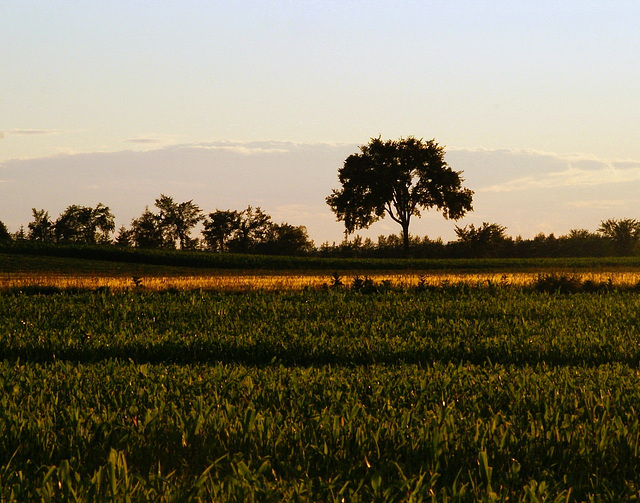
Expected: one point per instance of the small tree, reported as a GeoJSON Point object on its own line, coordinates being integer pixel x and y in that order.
{"type": "Point", "coordinates": [400, 179]}
{"type": "Point", "coordinates": [624, 234]}
{"type": "Point", "coordinates": [103, 223]}
{"type": "Point", "coordinates": [41, 227]}
{"type": "Point", "coordinates": [124, 237]}
{"type": "Point", "coordinates": [20, 234]}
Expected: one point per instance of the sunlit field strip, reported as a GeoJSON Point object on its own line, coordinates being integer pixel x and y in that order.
{"type": "Point", "coordinates": [247, 282]}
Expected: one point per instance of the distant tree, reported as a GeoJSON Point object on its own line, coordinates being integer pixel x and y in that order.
{"type": "Point", "coordinates": [70, 227]}
{"type": "Point", "coordinates": [390, 246]}
{"type": "Point", "coordinates": [83, 224]}
{"type": "Point", "coordinates": [286, 239]}
{"type": "Point", "coordinates": [124, 237]}
{"type": "Point", "coordinates": [4, 233]}
{"type": "Point", "coordinates": [484, 241]}
{"type": "Point", "coordinates": [20, 234]}
{"type": "Point", "coordinates": [41, 227]}
{"type": "Point", "coordinates": [104, 224]}
{"type": "Point", "coordinates": [582, 243]}
{"type": "Point", "coordinates": [219, 228]}
{"type": "Point", "coordinates": [624, 234]}
{"type": "Point", "coordinates": [253, 228]}
{"type": "Point", "coordinates": [398, 178]}
{"type": "Point", "coordinates": [178, 219]}
{"type": "Point", "coordinates": [146, 232]}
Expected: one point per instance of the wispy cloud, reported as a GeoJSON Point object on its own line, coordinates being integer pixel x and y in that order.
{"type": "Point", "coordinates": [32, 132]}
{"type": "Point", "coordinates": [548, 171]}
{"type": "Point", "coordinates": [262, 147]}
{"type": "Point", "coordinates": [602, 204]}
{"type": "Point", "coordinates": [144, 140]}
{"type": "Point", "coordinates": [569, 178]}
{"type": "Point", "coordinates": [239, 149]}
{"type": "Point", "coordinates": [244, 148]}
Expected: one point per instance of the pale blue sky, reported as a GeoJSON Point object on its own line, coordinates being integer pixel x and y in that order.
{"type": "Point", "coordinates": [83, 77]}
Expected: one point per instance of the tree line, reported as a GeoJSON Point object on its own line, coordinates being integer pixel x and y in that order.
{"type": "Point", "coordinates": [169, 225]}
{"type": "Point", "coordinates": [614, 237]}
{"type": "Point", "coordinates": [252, 230]}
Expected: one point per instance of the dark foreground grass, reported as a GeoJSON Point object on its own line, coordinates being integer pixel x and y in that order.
{"type": "Point", "coordinates": [445, 395]}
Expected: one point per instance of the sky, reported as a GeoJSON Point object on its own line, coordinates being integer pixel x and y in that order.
{"type": "Point", "coordinates": [236, 103]}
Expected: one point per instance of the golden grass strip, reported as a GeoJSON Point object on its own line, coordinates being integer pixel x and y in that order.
{"type": "Point", "coordinates": [248, 282]}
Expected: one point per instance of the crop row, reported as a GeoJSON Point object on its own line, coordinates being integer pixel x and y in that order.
{"type": "Point", "coordinates": [458, 432]}
{"type": "Point", "coordinates": [324, 327]}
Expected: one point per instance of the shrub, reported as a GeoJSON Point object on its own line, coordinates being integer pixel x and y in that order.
{"type": "Point", "coordinates": [558, 283]}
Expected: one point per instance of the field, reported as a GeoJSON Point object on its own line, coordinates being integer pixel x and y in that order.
{"type": "Point", "coordinates": [415, 385]}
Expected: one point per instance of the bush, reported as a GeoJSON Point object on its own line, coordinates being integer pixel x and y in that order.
{"type": "Point", "coordinates": [558, 283]}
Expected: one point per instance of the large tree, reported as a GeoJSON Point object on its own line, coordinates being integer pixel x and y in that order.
{"type": "Point", "coordinates": [399, 178]}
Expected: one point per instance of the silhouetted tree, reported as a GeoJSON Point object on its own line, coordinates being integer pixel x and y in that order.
{"type": "Point", "coordinates": [4, 233]}
{"type": "Point", "coordinates": [623, 234]}
{"type": "Point", "coordinates": [147, 233]}
{"type": "Point", "coordinates": [178, 219]}
{"type": "Point", "coordinates": [253, 228]}
{"type": "Point", "coordinates": [124, 237]}
{"type": "Point", "coordinates": [219, 228]}
{"type": "Point", "coordinates": [83, 224]}
{"type": "Point", "coordinates": [486, 240]}
{"type": "Point", "coordinates": [398, 178]}
{"type": "Point", "coordinates": [41, 227]}
{"type": "Point", "coordinates": [582, 243]}
{"type": "Point", "coordinates": [20, 234]}
{"type": "Point", "coordinates": [286, 239]}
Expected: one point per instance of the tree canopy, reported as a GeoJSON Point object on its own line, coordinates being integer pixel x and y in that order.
{"type": "Point", "coordinates": [624, 234]}
{"type": "Point", "coordinates": [399, 178]}
{"type": "Point", "coordinates": [79, 224]}
{"type": "Point", "coordinates": [252, 231]}
{"type": "Point", "coordinates": [485, 240]}
{"type": "Point", "coordinates": [41, 227]}
{"type": "Point", "coordinates": [177, 219]}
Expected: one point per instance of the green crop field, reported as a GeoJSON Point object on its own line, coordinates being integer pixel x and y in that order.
{"type": "Point", "coordinates": [451, 390]}
{"type": "Point", "coordinates": [455, 393]}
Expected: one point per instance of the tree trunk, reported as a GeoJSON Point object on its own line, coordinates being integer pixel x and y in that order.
{"type": "Point", "coordinates": [405, 237]}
